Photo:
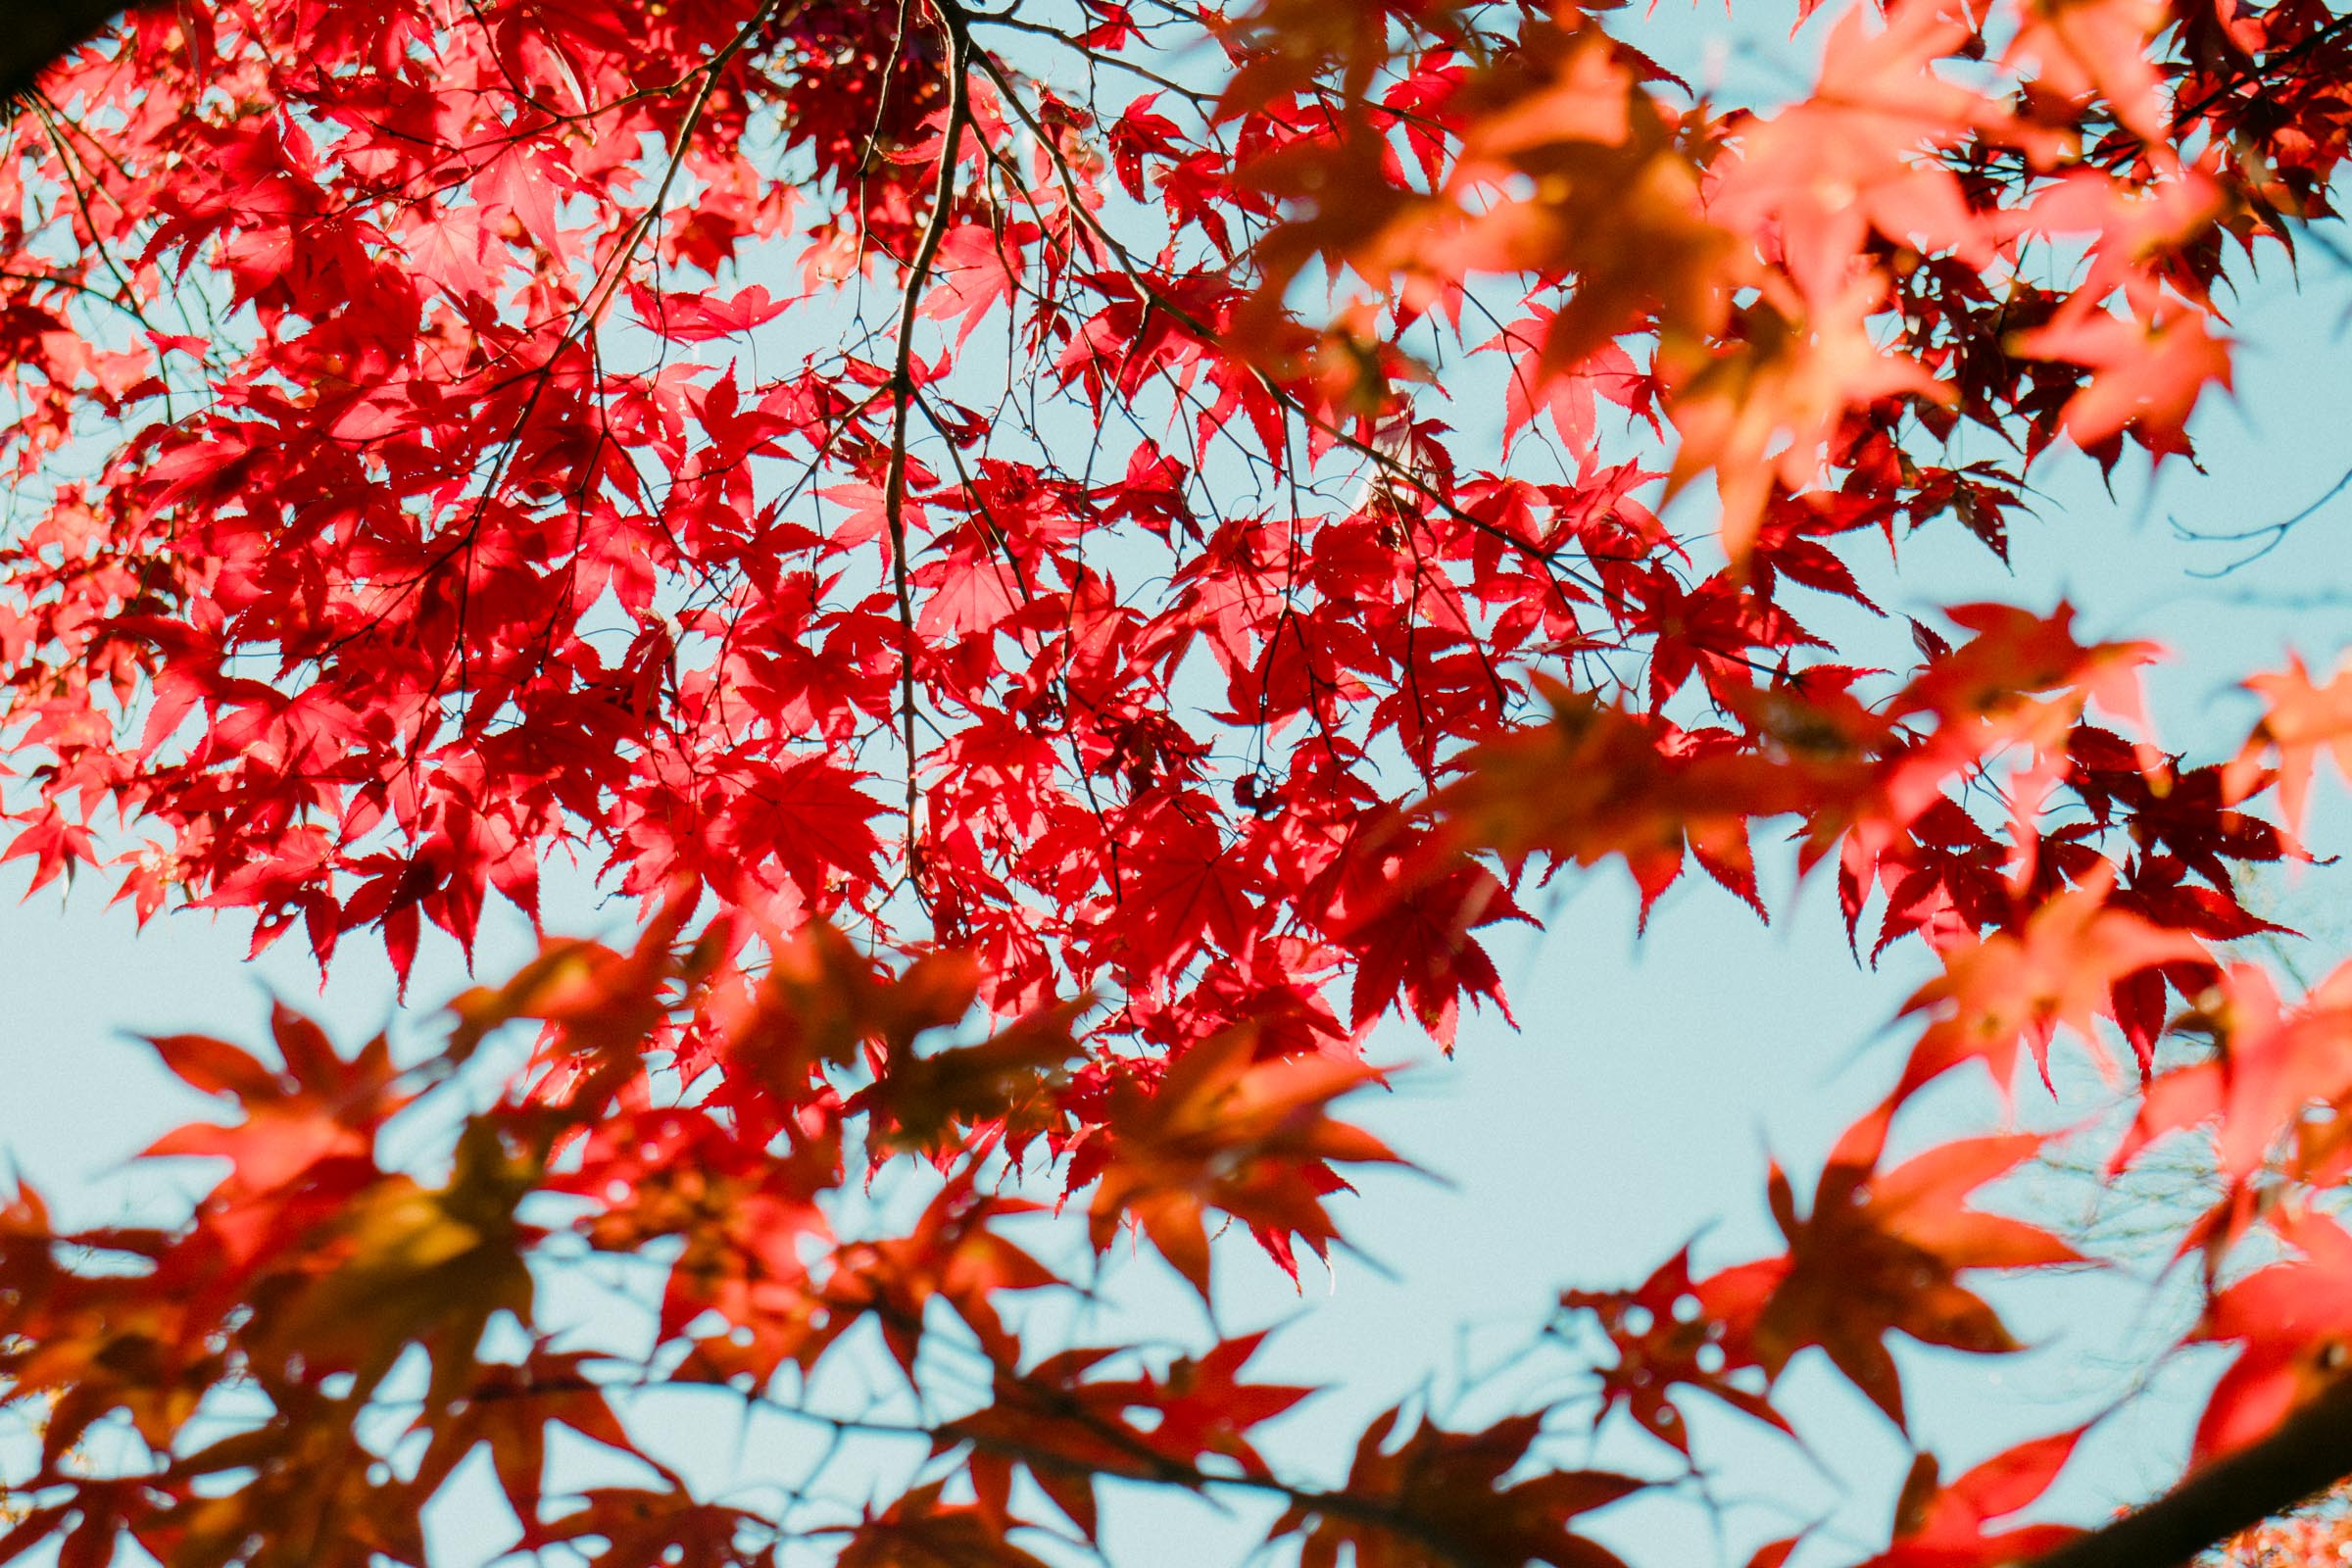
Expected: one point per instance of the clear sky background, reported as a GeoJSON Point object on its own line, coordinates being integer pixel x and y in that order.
{"type": "Point", "coordinates": [1635, 1108]}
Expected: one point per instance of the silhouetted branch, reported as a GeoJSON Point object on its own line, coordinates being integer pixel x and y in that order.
{"type": "Point", "coordinates": [2309, 1453]}
{"type": "Point", "coordinates": [2263, 537]}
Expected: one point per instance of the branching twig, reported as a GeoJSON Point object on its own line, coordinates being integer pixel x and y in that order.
{"type": "Point", "coordinates": [902, 388]}
{"type": "Point", "coordinates": [2271, 535]}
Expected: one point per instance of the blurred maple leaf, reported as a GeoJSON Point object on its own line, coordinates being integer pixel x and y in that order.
{"type": "Point", "coordinates": [1883, 1250]}
{"type": "Point", "coordinates": [1437, 1498]}
{"type": "Point", "coordinates": [1221, 1129]}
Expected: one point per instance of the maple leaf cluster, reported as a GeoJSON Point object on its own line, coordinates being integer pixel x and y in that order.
{"type": "Point", "coordinates": [412, 509]}
{"type": "Point", "coordinates": [1053, 676]}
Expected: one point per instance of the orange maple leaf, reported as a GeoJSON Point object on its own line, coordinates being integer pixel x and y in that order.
{"type": "Point", "coordinates": [2300, 721]}
{"type": "Point", "coordinates": [2000, 990]}
{"type": "Point", "coordinates": [1222, 1130]}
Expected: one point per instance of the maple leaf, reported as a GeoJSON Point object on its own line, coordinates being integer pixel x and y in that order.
{"type": "Point", "coordinates": [508, 1410]}
{"type": "Point", "coordinates": [1063, 1431]}
{"type": "Point", "coordinates": [316, 1107]}
{"type": "Point", "coordinates": [2300, 721]}
{"type": "Point", "coordinates": [1597, 782]}
{"type": "Point", "coordinates": [2013, 653]}
{"type": "Point", "coordinates": [978, 271]}
{"type": "Point", "coordinates": [1883, 1250]}
{"type": "Point", "coordinates": [1844, 160]}
{"type": "Point", "coordinates": [972, 592]}
{"type": "Point", "coordinates": [2292, 1323]}
{"type": "Point", "coordinates": [2147, 370]}
{"type": "Point", "coordinates": [55, 845]}
{"type": "Point", "coordinates": [2083, 45]}
{"type": "Point", "coordinates": [1416, 943]}
{"type": "Point", "coordinates": [1939, 1526]}
{"type": "Point", "coordinates": [1201, 1406]}
{"type": "Point", "coordinates": [1191, 890]}
{"type": "Point", "coordinates": [595, 997]}
{"type": "Point", "coordinates": [1759, 416]}
{"type": "Point", "coordinates": [921, 1529]}
{"type": "Point", "coordinates": [1066, 1426]}
{"type": "Point", "coordinates": [951, 1254]}
{"type": "Point", "coordinates": [1671, 1333]}
{"type": "Point", "coordinates": [1439, 1499]}
{"type": "Point", "coordinates": [89, 1350]}
{"type": "Point", "coordinates": [644, 1528]}
{"type": "Point", "coordinates": [315, 1495]}
{"type": "Point", "coordinates": [1569, 396]}
{"type": "Point", "coordinates": [919, 1102]}
{"type": "Point", "coordinates": [2271, 1064]}
{"type": "Point", "coordinates": [398, 1264]}
{"type": "Point", "coordinates": [2061, 972]}
{"type": "Point", "coordinates": [1223, 1130]}
{"type": "Point", "coordinates": [699, 318]}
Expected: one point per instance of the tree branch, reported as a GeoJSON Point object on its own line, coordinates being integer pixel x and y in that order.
{"type": "Point", "coordinates": [2309, 1451]}
{"type": "Point", "coordinates": [902, 389]}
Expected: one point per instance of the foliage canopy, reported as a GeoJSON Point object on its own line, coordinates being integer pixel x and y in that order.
{"type": "Point", "coordinates": [957, 512]}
